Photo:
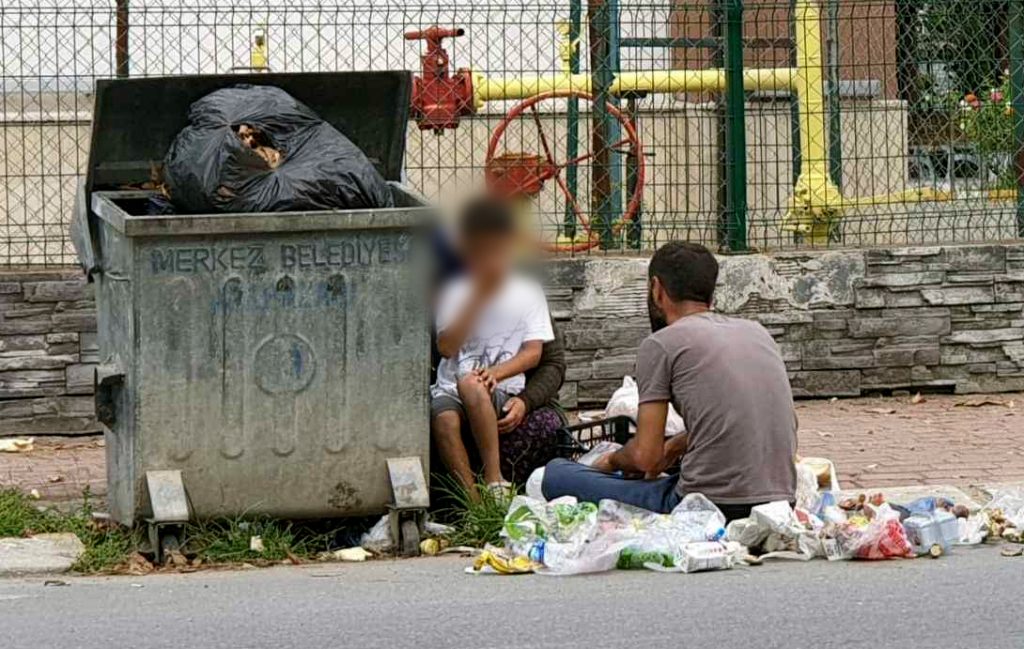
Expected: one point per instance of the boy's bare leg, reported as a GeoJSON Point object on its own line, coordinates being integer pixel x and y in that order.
{"type": "Point", "coordinates": [447, 430]}
{"type": "Point", "coordinates": [483, 421]}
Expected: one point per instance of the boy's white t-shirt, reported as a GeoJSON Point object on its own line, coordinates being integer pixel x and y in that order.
{"type": "Point", "coordinates": [517, 313]}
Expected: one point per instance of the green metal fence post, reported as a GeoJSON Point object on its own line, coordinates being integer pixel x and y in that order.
{"type": "Point", "coordinates": [835, 131]}
{"type": "Point", "coordinates": [121, 39]}
{"type": "Point", "coordinates": [572, 140]}
{"type": "Point", "coordinates": [735, 130]}
{"type": "Point", "coordinates": [1016, 18]}
{"type": "Point", "coordinates": [600, 180]}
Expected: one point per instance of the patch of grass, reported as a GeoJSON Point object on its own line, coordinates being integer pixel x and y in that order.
{"type": "Point", "coordinates": [476, 522]}
{"type": "Point", "coordinates": [106, 545]}
{"type": "Point", "coordinates": [229, 540]}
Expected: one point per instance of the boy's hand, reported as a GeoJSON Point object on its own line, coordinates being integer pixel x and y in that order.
{"type": "Point", "coordinates": [487, 378]}
{"type": "Point", "coordinates": [486, 283]}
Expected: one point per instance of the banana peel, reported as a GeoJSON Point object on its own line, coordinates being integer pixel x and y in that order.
{"type": "Point", "coordinates": [492, 561]}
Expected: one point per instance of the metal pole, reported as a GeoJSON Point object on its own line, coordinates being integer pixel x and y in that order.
{"type": "Point", "coordinates": [121, 38]}
{"type": "Point", "coordinates": [735, 131]}
{"type": "Point", "coordinates": [717, 16]}
{"type": "Point", "coordinates": [835, 142]}
{"type": "Point", "coordinates": [794, 106]}
{"type": "Point", "coordinates": [601, 189]}
{"type": "Point", "coordinates": [1016, 19]}
{"type": "Point", "coordinates": [572, 140]}
{"type": "Point", "coordinates": [634, 229]}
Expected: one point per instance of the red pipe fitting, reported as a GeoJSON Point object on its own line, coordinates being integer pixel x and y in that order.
{"type": "Point", "coordinates": [440, 98]}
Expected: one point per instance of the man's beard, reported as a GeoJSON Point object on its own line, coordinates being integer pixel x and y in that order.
{"type": "Point", "coordinates": [656, 315]}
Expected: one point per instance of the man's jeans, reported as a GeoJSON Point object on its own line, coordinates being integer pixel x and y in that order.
{"type": "Point", "coordinates": [565, 478]}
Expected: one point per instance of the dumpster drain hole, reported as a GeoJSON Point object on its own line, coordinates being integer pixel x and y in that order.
{"type": "Point", "coordinates": [286, 283]}
{"type": "Point", "coordinates": [284, 363]}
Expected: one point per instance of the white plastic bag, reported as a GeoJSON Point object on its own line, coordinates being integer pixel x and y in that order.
{"type": "Point", "coordinates": [599, 450]}
{"type": "Point", "coordinates": [534, 484]}
{"type": "Point", "coordinates": [626, 401]}
{"type": "Point", "coordinates": [378, 539]}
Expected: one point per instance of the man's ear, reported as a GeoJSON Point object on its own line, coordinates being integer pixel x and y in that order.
{"type": "Point", "coordinates": [657, 290]}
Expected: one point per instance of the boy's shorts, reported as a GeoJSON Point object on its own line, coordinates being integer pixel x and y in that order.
{"type": "Point", "coordinates": [445, 402]}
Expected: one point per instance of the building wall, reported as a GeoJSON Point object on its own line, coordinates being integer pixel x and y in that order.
{"type": "Point", "coordinates": [847, 322]}
{"type": "Point", "coordinates": [47, 352]}
{"type": "Point", "coordinates": [866, 38]}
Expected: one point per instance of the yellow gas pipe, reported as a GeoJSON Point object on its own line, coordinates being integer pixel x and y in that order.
{"type": "Point", "coordinates": [816, 204]}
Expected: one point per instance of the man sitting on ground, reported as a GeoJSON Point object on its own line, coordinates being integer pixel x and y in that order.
{"type": "Point", "coordinates": [727, 379]}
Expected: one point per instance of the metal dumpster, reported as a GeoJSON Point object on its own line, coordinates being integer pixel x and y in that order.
{"type": "Point", "coordinates": [275, 361]}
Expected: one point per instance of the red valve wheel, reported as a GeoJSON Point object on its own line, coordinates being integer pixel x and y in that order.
{"type": "Point", "coordinates": [545, 167]}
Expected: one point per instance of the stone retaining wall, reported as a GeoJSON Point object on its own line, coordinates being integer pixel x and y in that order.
{"type": "Point", "coordinates": [47, 352]}
{"type": "Point", "coordinates": [848, 322]}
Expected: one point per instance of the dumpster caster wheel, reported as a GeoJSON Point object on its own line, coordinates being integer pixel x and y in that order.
{"type": "Point", "coordinates": [410, 538]}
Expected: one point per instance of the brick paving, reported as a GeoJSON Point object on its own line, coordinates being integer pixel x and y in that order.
{"type": "Point", "coordinates": [875, 442]}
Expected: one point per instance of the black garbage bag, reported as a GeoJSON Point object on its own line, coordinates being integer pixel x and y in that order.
{"type": "Point", "coordinates": [257, 149]}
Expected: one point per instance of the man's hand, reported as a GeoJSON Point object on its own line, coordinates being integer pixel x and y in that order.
{"type": "Point", "coordinates": [515, 413]}
{"type": "Point", "coordinates": [604, 463]}
{"type": "Point", "coordinates": [675, 449]}
{"type": "Point", "coordinates": [486, 376]}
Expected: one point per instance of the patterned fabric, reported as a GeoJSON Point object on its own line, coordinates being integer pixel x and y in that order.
{"type": "Point", "coordinates": [530, 446]}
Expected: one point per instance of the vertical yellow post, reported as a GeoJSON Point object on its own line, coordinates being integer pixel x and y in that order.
{"type": "Point", "coordinates": [816, 203]}
{"type": "Point", "coordinates": [258, 55]}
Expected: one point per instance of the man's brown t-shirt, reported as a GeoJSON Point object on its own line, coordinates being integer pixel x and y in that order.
{"type": "Point", "coordinates": [727, 379]}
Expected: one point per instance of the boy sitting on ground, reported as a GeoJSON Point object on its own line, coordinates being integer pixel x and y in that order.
{"type": "Point", "coordinates": [491, 326]}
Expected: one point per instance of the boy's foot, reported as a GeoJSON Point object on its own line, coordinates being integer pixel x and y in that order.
{"type": "Point", "coordinates": [502, 490]}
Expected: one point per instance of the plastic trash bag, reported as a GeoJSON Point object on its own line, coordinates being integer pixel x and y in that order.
{"type": "Point", "coordinates": [599, 450]}
{"type": "Point", "coordinates": [1011, 503]}
{"type": "Point", "coordinates": [257, 149]}
{"type": "Point", "coordinates": [378, 538]}
{"type": "Point", "coordinates": [807, 495]}
{"type": "Point", "coordinates": [534, 484]}
{"type": "Point", "coordinates": [883, 538]}
{"type": "Point", "coordinates": [626, 401]}
{"type": "Point", "coordinates": [973, 529]}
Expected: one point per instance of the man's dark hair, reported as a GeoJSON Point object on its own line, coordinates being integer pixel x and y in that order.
{"type": "Point", "coordinates": [486, 216]}
{"type": "Point", "coordinates": [687, 271]}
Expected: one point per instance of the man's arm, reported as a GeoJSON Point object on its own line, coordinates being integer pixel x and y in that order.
{"type": "Point", "coordinates": [645, 452]}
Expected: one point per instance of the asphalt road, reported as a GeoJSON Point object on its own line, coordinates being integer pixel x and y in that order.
{"type": "Point", "coordinates": [970, 600]}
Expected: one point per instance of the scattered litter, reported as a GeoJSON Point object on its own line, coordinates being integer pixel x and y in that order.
{"type": "Point", "coordinates": [917, 398]}
{"type": "Point", "coordinates": [494, 561]}
{"type": "Point", "coordinates": [378, 538]}
{"type": "Point", "coordinates": [984, 401]}
{"type": "Point", "coordinates": [55, 478]}
{"type": "Point", "coordinates": [1015, 551]}
{"type": "Point", "coordinates": [55, 582]}
{"type": "Point", "coordinates": [256, 544]}
{"type": "Point", "coordinates": [138, 565]}
{"type": "Point", "coordinates": [34, 494]}
{"type": "Point", "coordinates": [17, 445]}
{"type": "Point", "coordinates": [137, 586]}
{"type": "Point", "coordinates": [351, 554]}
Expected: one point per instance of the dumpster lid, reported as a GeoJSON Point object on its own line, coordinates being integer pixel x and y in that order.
{"type": "Point", "coordinates": [135, 120]}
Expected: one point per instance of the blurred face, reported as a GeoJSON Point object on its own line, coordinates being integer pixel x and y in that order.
{"type": "Point", "coordinates": [489, 254]}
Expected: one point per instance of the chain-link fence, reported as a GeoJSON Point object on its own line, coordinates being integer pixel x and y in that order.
{"type": "Point", "coordinates": [759, 124]}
